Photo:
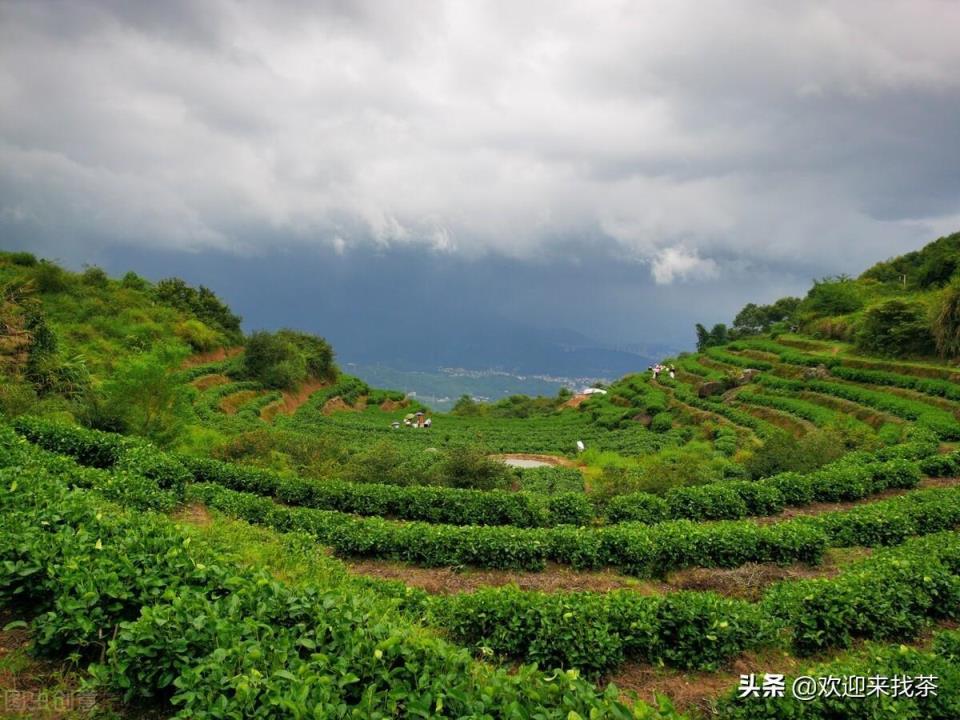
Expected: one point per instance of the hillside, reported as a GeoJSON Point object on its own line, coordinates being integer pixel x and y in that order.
{"type": "Point", "coordinates": [258, 530]}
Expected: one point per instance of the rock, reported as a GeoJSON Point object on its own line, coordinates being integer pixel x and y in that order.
{"type": "Point", "coordinates": [711, 388]}
{"type": "Point", "coordinates": [820, 372]}
{"type": "Point", "coordinates": [748, 375]}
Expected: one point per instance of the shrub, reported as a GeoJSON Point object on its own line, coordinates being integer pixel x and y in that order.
{"type": "Point", "coordinates": [595, 632]}
{"type": "Point", "coordinates": [716, 501]}
{"type": "Point", "coordinates": [198, 336]}
{"type": "Point", "coordinates": [94, 276]}
{"type": "Point", "coordinates": [132, 281]}
{"type": "Point", "coordinates": [642, 550]}
{"type": "Point", "coordinates": [201, 302]}
{"type": "Point", "coordinates": [941, 465]}
{"type": "Point", "coordinates": [286, 358]}
{"type": "Point", "coordinates": [550, 480]}
{"type": "Point", "coordinates": [467, 466]}
{"type": "Point", "coordinates": [50, 278]}
{"type": "Point", "coordinates": [23, 259]}
{"type": "Point", "coordinates": [89, 447]}
{"type": "Point", "coordinates": [946, 321]}
{"type": "Point", "coordinates": [832, 296]}
{"type": "Point", "coordinates": [638, 507]}
{"type": "Point", "coordinates": [889, 595]}
{"type": "Point", "coordinates": [874, 661]}
{"type": "Point", "coordinates": [896, 328]}
{"type": "Point", "coordinates": [146, 460]}
{"type": "Point", "coordinates": [661, 422]}
{"type": "Point", "coordinates": [144, 397]}
{"type": "Point", "coordinates": [431, 504]}
{"type": "Point", "coordinates": [571, 509]}
{"type": "Point", "coordinates": [168, 623]}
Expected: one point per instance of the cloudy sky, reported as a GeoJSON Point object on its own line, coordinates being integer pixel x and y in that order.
{"type": "Point", "coordinates": [621, 168]}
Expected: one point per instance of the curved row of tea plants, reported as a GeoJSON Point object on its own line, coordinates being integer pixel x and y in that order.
{"type": "Point", "coordinates": [870, 699]}
{"type": "Point", "coordinates": [943, 423]}
{"type": "Point", "coordinates": [892, 595]}
{"type": "Point", "coordinates": [817, 414]}
{"type": "Point", "coordinates": [854, 477]}
{"type": "Point", "coordinates": [429, 504]}
{"type": "Point", "coordinates": [596, 632]}
{"type": "Point", "coordinates": [97, 449]}
{"type": "Point", "coordinates": [686, 395]}
{"type": "Point", "coordinates": [167, 624]}
{"type": "Point", "coordinates": [933, 380]}
{"type": "Point", "coordinates": [640, 550]}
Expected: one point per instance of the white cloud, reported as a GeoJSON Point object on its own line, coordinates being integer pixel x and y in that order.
{"type": "Point", "coordinates": [687, 132]}
{"type": "Point", "coordinates": [680, 263]}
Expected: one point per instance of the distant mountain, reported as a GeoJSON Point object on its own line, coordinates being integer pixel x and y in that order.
{"type": "Point", "coordinates": [483, 343]}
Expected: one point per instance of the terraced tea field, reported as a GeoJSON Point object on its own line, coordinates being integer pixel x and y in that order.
{"type": "Point", "coordinates": [431, 595]}
{"type": "Point", "coordinates": [765, 529]}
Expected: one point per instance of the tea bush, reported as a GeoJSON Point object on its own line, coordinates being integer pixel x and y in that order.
{"type": "Point", "coordinates": [173, 626]}
{"type": "Point", "coordinates": [891, 595]}
{"type": "Point", "coordinates": [875, 660]}
{"type": "Point", "coordinates": [637, 549]}
{"type": "Point", "coordinates": [595, 632]}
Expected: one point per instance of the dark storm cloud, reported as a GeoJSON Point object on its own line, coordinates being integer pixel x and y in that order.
{"type": "Point", "coordinates": [691, 150]}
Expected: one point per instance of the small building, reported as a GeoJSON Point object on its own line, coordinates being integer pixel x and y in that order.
{"type": "Point", "coordinates": [594, 391]}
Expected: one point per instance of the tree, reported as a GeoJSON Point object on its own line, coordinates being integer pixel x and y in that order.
{"type": "Point", "coordinates": [946, 322]}
{"type": "Point", "coordinates": [132, 281]}
{"type": "Point", "coordinates": [144, 397]}
{"type": "Point", "coordinates": [703, 338]}
{"type": "Point", "coordinates": [286, 358]}
{"type": "Point", "coordinates": [782, 310]}
{"type": "Point", "coordinates": [717, 335]}
{"type": "Point", "coordinates": [833, 296]}
{"type": "Point", "coordinates": [202, 303]}
{"type": "Point", "coordinates": [896, 328]}
{"type": "Point", "coordinates": [750, 320]}
{"type": "Point", "coordinates": [466, 405]}
{"type": "Point", "coordinates": [470, 467]}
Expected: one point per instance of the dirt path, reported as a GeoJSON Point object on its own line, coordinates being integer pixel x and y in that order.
{"type": "Point", "coordinates": [211, 356]}
{"type": "Point", "coordinates": [575, 402]}
{"type": "Point", "coordinates": [747, 581]}
{"type": "Point", "coordinates": [195, 514]}
{"type": "Point", "coordinates": [291, 401]}
{"type": "Point", "coordinates": [693, 691]}
{"type": "Point", "coordinates": [231, 403]}
{"type": "Point", "coordinates": [555, 578]}
{"type": "Point", "coordinates": [205, 382]}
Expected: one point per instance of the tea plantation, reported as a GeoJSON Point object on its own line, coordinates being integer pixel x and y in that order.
{"type": "Point", "coordinates": [198, 524]}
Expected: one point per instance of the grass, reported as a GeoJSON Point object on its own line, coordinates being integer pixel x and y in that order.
{"type": "Point", "coordinates": [290, 557]}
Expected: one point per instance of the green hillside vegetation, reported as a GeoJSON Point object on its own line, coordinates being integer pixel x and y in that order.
{"type": "Point", "coordinates": [202, 523]}
{"type": "Point", "coordinates": [906, 307]}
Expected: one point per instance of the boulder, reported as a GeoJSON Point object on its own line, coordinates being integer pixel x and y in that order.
{"type": "Point", "coordinates": [748, 375]}
{"type": "Point", "coordinates": [711, 388]}
{"type": "Point", "coordinates": [820, 372]}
